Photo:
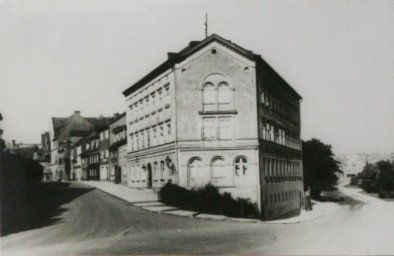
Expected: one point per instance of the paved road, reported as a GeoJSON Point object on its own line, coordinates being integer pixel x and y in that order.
{"type": "Point", "coordinates": [92, 223]}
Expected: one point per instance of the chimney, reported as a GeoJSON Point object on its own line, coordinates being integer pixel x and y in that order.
{"type": "Point", "coordinates": [13, 144]}
{"type": "Point", "coordinates": [77, 112]}
{"type": "Point", "coordinates": [172, 55]}
{"type": "Point", "coordinates": [194, 43]}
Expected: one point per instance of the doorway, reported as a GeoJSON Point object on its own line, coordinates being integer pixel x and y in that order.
{"type": "Point", "coordinates": [149, 169]}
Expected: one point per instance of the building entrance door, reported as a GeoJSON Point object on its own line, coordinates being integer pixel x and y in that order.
{"type": "Point", "coordinates": [149, 169]}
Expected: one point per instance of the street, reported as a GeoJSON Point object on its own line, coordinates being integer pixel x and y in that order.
{"type": "Point", "coordinates": [91, 222]}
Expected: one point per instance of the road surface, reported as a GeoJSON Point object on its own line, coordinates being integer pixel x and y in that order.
{"type": "Point", "coordinates": [91, 222]}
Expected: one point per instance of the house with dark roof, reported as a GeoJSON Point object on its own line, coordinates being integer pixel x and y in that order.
{"type": "Point", "coordinates": [64, 134]}
{"type": "Point", "coordinates": [217, 113]}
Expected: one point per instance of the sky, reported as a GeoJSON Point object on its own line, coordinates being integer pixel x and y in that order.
{"type": "Point", "coordinates": [60, 56]}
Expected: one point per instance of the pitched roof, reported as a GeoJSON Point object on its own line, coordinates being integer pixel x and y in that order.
{"type": "Point", "coordinates": [93, 135]}
{"type": "Point", "coordinates": [76, 125]}
{"type": "Point", "coordinates": [58, 122]}
{"type": "Point", "coordinates": [26, 152]}
{"type": "Point", "coordinates": [195, 46]}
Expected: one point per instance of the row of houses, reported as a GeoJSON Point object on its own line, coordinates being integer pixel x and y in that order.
{"type": "Point", "coordinates": [86, 148]}
{"type": "Point", "coordinates": [213, 112]}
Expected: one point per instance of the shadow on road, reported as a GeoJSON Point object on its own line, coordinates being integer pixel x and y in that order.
{"type": "Point", "coordinates": [41, 206]}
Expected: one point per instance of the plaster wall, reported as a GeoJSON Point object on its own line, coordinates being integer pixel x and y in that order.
{"type": "Point", "coordinates": [190, 76]}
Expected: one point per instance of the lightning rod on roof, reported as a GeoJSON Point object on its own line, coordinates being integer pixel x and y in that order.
{"type": "Point", "coordinates": [206, 25]}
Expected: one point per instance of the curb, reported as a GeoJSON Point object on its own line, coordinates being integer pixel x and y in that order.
{"type": "Point", "coordinates": [295, 222]}
{"type": "Point", "coordinates": [204, 216]}
{"type": "Point", "coordinates": [149, 209]}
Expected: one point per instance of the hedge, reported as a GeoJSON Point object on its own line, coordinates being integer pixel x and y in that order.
{"type": "Point", "coordinates": [208, 200]}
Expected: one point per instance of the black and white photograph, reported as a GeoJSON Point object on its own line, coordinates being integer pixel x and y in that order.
{"type": "Point", "coordinates": [196, 127]}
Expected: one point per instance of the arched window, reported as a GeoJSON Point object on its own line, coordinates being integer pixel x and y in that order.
{"type": "Point", "coordinates": [217, 93]}
{"type": "Point", "coordinates": [240, 166]}
{"type": "Point", "coordinates": [195, 168]}
{"type": "Point", "coordinates": [225, 96]}
{"type": "Point", "coordinates": [209, 97]}
{"type": "Point", "coordinates": [218, 168]}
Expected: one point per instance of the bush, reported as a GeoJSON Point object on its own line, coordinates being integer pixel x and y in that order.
{"type": "Point", "coordinates": [354, 181]}
{"type": "Point", "coordinates": [208, 200]}
{"type": "Point", "coordinates": [378, 178]}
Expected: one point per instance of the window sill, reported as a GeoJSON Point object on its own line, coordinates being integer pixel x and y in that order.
{"type": "Point", "coordinates": [218, 112]}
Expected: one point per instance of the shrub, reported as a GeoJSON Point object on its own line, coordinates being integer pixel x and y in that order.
{"type": "Point", "coordinates": [354, 181]}
{"type": "Point", "coordinates": [208, 200]}
{"type": "Point", "coordinates": [378, 178]}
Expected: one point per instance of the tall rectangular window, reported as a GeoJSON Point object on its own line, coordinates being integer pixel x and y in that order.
{"type": "Point", "coordinates": [210, 126]}
{"type": "Point", "coordinates": [225, 128]}
{"type": "Point", "coordinates": [162, 169]}
{"type": "Point", "coordinates": [153, 95]}
{"type": "Point", "coordinates": [161, 129]}
{"type": "Point", "coordinates": [148, 138]}
{"type": "Point", "coordinates": [224, 96]}
{"type": "Point", "coordinates": [169, 130]}
{"type": "Point", "coordinates": [210, 97]}
{"type": "Point", "coordinates": [137, 142]}
{"type": "Point", "coordinates": [156, 170]}
{"type": "Point", "coordinates": [159, 94]}
{"type": "Point", "coordinates": [136, 109]}
{"type": "Point", "coordinates": [154, 133]}
{"type": "Point", "coordinates": [267, 167]}
{"type": "Point", "coordinates": [141, 103]}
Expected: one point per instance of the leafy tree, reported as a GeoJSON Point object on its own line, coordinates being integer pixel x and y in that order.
{"type": "Point", "coordinates": [385, 180]}
{"type": "Point", "coordinates": [369, 177]}
{"type": "Point", "coordinates": [378, 178]}
{"type": "Point", "coordinates": [320, 167]}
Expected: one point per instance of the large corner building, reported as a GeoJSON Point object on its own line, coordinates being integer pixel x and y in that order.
{"type": "Point", "coordinates": [217, 113]}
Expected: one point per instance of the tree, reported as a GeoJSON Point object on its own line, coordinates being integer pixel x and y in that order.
{"type": "Point", "coordinates": [378, 178]}
{"type": "Point", "coordinates": [369, 177]}
{"type": "Point", "coordinates": [385, 180]}
{"type": "Point", "coordinates": [320, 167]}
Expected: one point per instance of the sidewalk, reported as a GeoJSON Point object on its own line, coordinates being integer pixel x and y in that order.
{"type": "Point", "coordinates": [319, 210]}
{"type": "Point", "coordinates": [130, 195]}
{"type": "Point", "coordinates": [147, 200]}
